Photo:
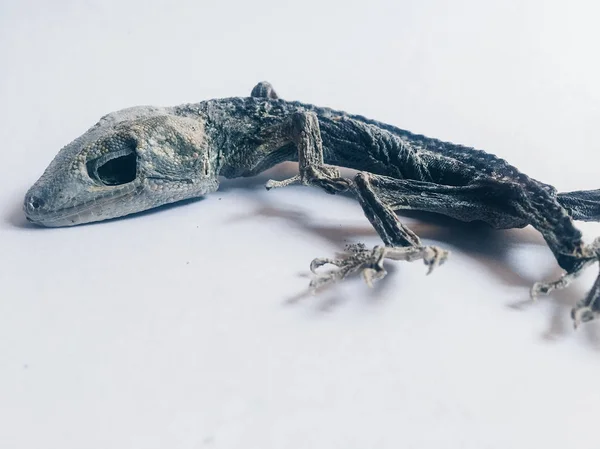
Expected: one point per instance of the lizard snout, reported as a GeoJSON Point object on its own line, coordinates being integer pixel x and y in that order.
{"type": "Point", "coordinates": [36, 206]}
{"type": "Point", "coordinates": [33, 203]}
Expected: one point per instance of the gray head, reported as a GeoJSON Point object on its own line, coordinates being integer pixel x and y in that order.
{"type": "Point", "coordinates": [130, 161]}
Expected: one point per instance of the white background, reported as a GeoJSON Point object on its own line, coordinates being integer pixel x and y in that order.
{"type": "Point", "coordinates": [185, 328]}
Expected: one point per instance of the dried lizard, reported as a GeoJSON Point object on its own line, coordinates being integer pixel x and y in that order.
{"type": "Point", "coordinates": [143, 157]}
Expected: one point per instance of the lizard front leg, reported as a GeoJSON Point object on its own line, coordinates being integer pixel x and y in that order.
{"type": "Point", "coordinates": [401, 243]}
{"type": "Point", "coordinates": [303, 130]}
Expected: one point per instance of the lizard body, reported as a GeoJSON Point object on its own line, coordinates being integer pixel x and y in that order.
{"type": "Point", "coordinates": [143, 157]}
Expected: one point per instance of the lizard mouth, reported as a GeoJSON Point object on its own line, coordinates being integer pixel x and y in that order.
{"type": "Point", "coordinates": [108, 205]}
{"type": "Point", "coordinates": [114, 176]}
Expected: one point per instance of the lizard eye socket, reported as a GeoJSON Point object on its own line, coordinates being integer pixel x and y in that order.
{"type": "Point", "coordinates": [114, 168]}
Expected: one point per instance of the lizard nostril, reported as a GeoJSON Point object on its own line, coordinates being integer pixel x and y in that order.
{"type": "Point", "coordinates": [35, 203]}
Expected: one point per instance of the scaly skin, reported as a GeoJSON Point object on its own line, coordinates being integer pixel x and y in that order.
{"type": "Point", "coordinates": [143, 157]}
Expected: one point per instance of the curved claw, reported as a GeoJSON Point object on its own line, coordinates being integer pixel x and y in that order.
{"type": "Point", "coordinates": [370, 275]}
{"type": "Point", "coordinates": [545, 288]}
{"type": "Point", "coordinates": [320, 261]}
{"type": "Point", "coordinates": [435, 257]}
{"type": "Point", "coordinates": [539, 288]}
{"type": "Point", "coordinates": [582, 315]}
{"type": "Point", "coordinates": [331, 277]}
{"type": "Point", "coordinates": [318, 282]}
{"type": "Point", "coordinates": [588, 308]}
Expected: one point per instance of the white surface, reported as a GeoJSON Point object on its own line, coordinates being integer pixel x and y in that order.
{"type": "Point", "coordinates": [175, 330]}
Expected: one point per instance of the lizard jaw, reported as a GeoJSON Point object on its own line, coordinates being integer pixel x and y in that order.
{"type": "Point", "coordinates": [101, 208]}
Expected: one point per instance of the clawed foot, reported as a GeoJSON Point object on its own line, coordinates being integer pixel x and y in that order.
{"type": "Point", "coordinates": [545, 288]}
{"type": "Point", "coordinates": [582, 315]}
{"type": "Point", "coordinates": [589, 308]}
{"type": "Point", "coordinates": [370, 261]}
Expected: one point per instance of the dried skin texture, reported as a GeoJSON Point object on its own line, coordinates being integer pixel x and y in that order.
{"type": "Point", "coordinates": [370, 262]}
{"type": "Point", "coordinates": [168, 157]}
{"type": "Point", "coordinates": [143, 157]}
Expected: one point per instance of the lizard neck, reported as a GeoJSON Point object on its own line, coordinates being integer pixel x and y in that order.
{"type": "Point", "coordinates": [245, 133]}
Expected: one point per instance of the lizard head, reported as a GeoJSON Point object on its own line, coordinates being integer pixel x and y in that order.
{"type": "Point", "coordinates": [131, 160]}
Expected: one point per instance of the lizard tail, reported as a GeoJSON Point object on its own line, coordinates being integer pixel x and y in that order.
{"type": "Point", "coordinates": [582, 205]}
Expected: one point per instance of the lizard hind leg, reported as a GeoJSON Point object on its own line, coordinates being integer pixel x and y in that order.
{"type": "Point", "coordinates": [588, 308]}
{"type": "Point", "coordinates": [555, 222]}
{"type": "Point", "coordinates": [400, 244]}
